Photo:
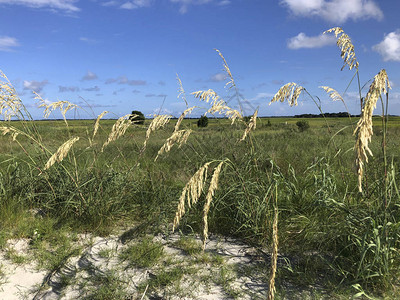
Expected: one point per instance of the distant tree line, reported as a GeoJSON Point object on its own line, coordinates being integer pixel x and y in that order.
{"type": "Point", "coordinates": [328, 115]}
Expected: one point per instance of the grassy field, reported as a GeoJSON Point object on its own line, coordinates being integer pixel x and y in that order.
{"type": "Point", "coordinates": [330, 233]}
{"type": "Point", "coordinates": [324, 196]}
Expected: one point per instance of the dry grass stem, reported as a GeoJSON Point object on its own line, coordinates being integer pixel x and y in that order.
{"type": "Point", "coordinates": [181, 91]}
{"type": "Point", "coordinates": [61, 153]}
{"type": "Point", "coordinates": [191, 192]}
{"type": "Point", "coordinates": [231, 82]}
{"type": "Point", "coordinates": [290, 92]}
{"type": "Point", "coordinates": [221, 108]}
{"type": "Point", "coordinates": [96, 125]}
{"type": "Point", "coordinates": [209, 197]}
{"type": "Point", "coordinates": [178, 137]}
{"type": "Point", "coordinates": [63, 106]}
{"type": "Point", "coordinates": [118, 130]}
{"type": "Point", "coordinates": [157, 122]}
{"type": "Point", "coordinates": [251, 126]}
{"type": "Point", "coordinates": [364, 131]}
{"type": "Point", "coordinates": [5, 130]}
{"type": "Point", "coordinates": [183, 115]}
{"type": "Point", "coordinates": [274, 256]}
{"type": "Point", "coordinates": [346, 47]}
{"type": "Point", "coordinates": [206, 95]}
{"type": "Point", "coordinates": [332, 93]}
{"type": "Point", "coordinates": [10, 104]}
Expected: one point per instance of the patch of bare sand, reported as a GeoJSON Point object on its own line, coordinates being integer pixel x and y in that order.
{"type": "Point", "coordinates": [225, 270]}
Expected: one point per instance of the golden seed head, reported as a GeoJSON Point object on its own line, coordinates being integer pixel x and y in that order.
{"type": "Point", "coordinates": [346, 47]}
{"type": "Point", "coordinates": [191, 192]}
{"type": "Point", "coordinates": [178, 137]}
{"type": "Point", "coordinates": [61, 152]}
{"type": "Point", "coordinates": [119, 128]}
{"type": "Point", "coordinates": [96, 125]}
{"type": "Point", "coordinates": [10, 104]}
{"type": "Point", "coordinates": [332, 93]}
{"type": "Point", "coordinates": [188, 111]}
{"type": "Point", "coordinates": [290, 92]}
{"type": "Point", "coordinates": [251, 126]}
{"type": "Point", "coordinates": [211, 190]}
{"type": "Point", "coordinates": [364, 130]}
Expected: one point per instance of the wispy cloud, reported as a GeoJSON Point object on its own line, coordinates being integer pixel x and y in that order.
{"type": "Point", "coordinates": [389, 47]}
{"type": "Point", "coordinates": [125, 80]}
{"type": "Point", "coordinates": [303, 41]}
{"type": "Point", "coordinates": [87, 40]}
{"type": "Point", "coordinates": [185, 4]}
{"type": "Point", "coordinates": [154, 95]}
{"type": "Point", "coordinates": [34, 85]}
{"type": "Point", "coordinates": [63, 89]}
{"type": "Point", "coordinates": [62, 5]}
{"type": "Point", "coordinates": [92, 89]}
{"type": "Point", "coordinates": [135, 4]}
{"type": "Point", "coordinates": [335, 11]}
{"type": "Point", "coordinates": [89, 76]}
{"type": "Point", "coordinates": [8, 43]}
{"type": "Point", "coordinates": [218, 77]}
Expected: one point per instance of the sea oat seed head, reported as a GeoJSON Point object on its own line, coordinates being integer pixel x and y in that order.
{"type": "Point", "coordinates": [61, 152]}
{"type": "Point", "coordinates": [212, 188]}
{"type": "Point", "coordinates": [364, 130]}
{"type": "Point", "coordinates": [346, 47]}
{"type": "Point", "coordinates": [290, 92]}
{"type": "Point", "coordinates": [251, 126]}
{"type": "Point", "coordinates": [191, 192]}
{"type": "Point", "coordinates": [119, 128]}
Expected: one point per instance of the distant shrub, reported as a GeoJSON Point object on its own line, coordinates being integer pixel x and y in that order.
{"type": "Point", "coordinates": [202, 122]}
{"type": "Point", "coordinates": [137, 117]}
{"type": "Point", "coordinates": [303, 125]}
{"type": "Point", "coordinates": [247, 119]}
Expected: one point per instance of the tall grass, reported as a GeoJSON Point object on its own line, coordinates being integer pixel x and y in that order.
{"type": "Point", "coordinates": [232, 178]}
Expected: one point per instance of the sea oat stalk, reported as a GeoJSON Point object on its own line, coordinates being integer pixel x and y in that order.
{"type": "Point", "coordinates": [346, 47]}
{"type": "Point", "coordinates": [364, 130]}
{"type": "Point", "coordinates": [178, 137]}
{"type": "Point", "coordinates": [61, 152]}
{"type": "Point", "coordinates": [118, 130]}
{"type": "Point", "coordinates": [10, 104]}
{"type": "Point", "coordinates": [209, 197]}
{"type": "Point", "coordinates": [274, 256]}
{"type": "Point", "coordinates": [289, 92]}
{"type": "Point", "coordinates": [252, 125]}
{"type": "Point", "coordinates": [97, 123]}
{"type": "Point", "coordinates": [157, 122]}
{"type": "Point", "coordinates": [191, 192]}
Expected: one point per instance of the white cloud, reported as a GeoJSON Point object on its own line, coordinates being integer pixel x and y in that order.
{"type": "Point", "coordinates": [135, 4]}
{"type": "Point", "coordinates": [335, 11]}
{"type": "Point", "coordinates": [218, 77]}
{"type": "Point", "coordinates": [34, 85]}
{"type": "Point", "coordinates": [303, 41]}
{"type": "Point", "coordinates": [125, 80]}
{"type": "Point", "coordinates": [389, 48]}
{"type": "Point", "coordinates": [65, 5]}
{"type": "Point", "coordinates": [87, 40]}
{"type": "Point", "coordinates": [7, 43]}
{"type": "Point", "coordinates": [224, 2]}
{"type": "Point", "coordinates": [89, 76]}
{"type": "Point", "coordinates": [184, 4]}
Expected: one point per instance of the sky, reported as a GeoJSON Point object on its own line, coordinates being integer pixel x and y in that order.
{"type": "Point", "coordinates": [124, 55]}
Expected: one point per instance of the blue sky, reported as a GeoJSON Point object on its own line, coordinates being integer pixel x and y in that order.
{"type": "Point", "coordinates": [124, 55]}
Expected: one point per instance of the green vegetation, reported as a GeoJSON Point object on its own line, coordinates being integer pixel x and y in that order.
{"type": "Point", "coordinates": [145, 253]}
{"type": "Point", "coordinates": [338, 227]}
{"type": "Point", "coordinates": [202, 122]}
{"type": "Point", "coordinates": [137, 117]}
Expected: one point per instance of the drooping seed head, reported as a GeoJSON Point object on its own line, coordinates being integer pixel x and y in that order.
{"type": "Point", "coordinates": [61, 152]}
{"type": "Point", "coordinates": [346, 47]}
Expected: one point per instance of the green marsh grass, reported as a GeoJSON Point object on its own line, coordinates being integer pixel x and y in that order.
{"type": "Point", "coordinates": [327, 228]}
